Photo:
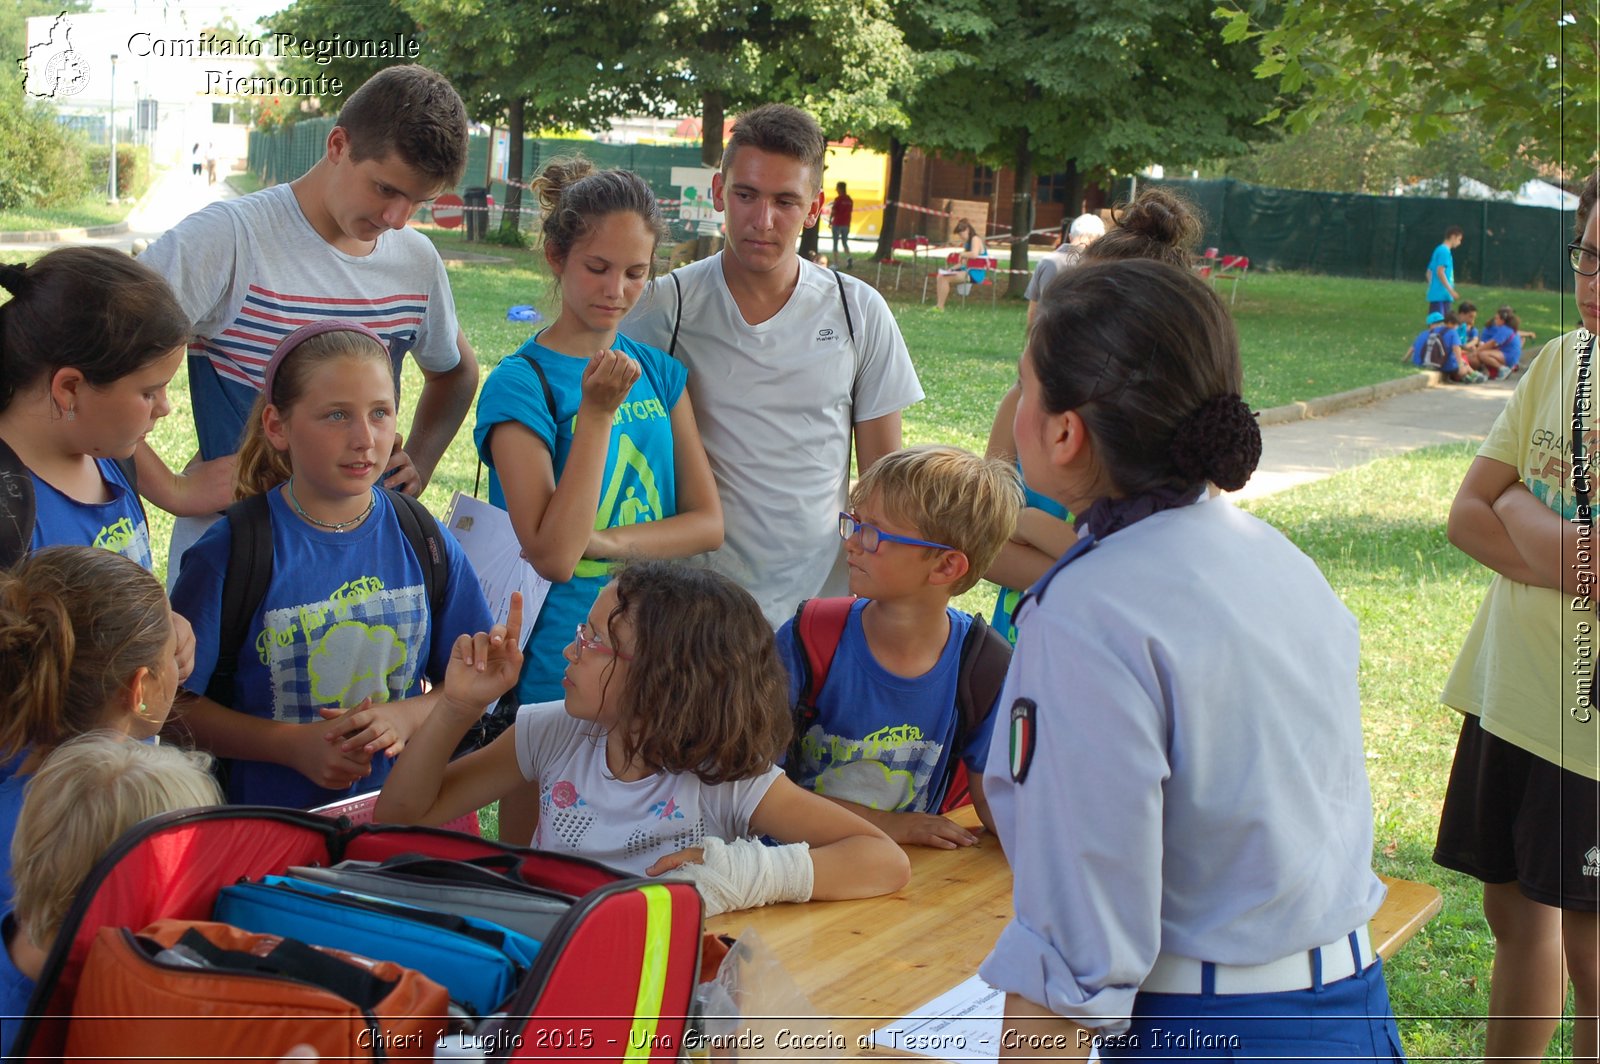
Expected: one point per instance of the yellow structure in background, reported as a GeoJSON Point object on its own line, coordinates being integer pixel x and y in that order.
{"type": "Point", "coordinates": [865, 174]}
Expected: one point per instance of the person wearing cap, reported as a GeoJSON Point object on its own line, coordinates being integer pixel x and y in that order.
{"type": "Point", "coordinates": [1084, 230]}
{"type": "Point", "coordinates": [333, 242]}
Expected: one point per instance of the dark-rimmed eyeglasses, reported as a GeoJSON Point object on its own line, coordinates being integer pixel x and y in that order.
{"type": "Point", "coordinates": [1585, 260]}
{"type": "Point", "coordinates": [872, 535]}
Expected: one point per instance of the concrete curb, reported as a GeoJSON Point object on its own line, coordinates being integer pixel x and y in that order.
{"type": "Point", "coordinates": [57, 236]}
{"type": "Point", "coordinates": [1328, 404]}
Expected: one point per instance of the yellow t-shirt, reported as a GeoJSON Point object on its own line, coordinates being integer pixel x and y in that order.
{"type": "Point", "coordinates": [1526, 665]}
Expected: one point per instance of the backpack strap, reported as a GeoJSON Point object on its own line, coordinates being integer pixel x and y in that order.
{"type": "Point", "coordinates": [18, 514]}
{"type": "Point", "coordinates": [818, 627]}
{"type": "Point", "coordinates": [130, 473]}
{"type": "Point", "coordinates": [422, 531]}
{"type": "Point", "coordinates": [985, 657]}
{"type": "Point", "coordinates": [677, 319]}
{"type": "Point", "coordinates": [549, 401]}
{"type": "Point", "coordinates": [849, 322]}
{"type": "Point", "coordinates": [244, 585]}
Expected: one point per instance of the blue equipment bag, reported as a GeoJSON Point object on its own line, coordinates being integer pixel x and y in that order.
{"type": "Point", "coordinates": [478, 962]}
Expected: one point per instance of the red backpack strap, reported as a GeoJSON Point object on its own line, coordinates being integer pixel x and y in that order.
{"type": "Point", "coordinates": [985, 657]}
{"type": "Point", "coordinates": [818, 627]}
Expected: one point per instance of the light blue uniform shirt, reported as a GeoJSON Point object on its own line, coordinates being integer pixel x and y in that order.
{"type": "Point", "coordinates": [1198, 784]}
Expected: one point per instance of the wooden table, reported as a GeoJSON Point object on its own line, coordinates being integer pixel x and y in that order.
{"type": "Point", "coordinates": [866, 963]}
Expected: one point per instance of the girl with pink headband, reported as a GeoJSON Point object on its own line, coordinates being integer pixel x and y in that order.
{"type": "Point", "coordinates": [326, 685]}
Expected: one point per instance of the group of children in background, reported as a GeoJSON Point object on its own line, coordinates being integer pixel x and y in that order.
{"type": "Point", "coordinates": [1452, 343]}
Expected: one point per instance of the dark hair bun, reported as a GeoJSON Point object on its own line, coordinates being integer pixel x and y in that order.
{"type": "Point", "coordinates": [13, 277]}
{"type": "Point", "coordinates": [560, 175]}
{"type": "Point", "coordinates": [1220, 442]}
{"type": "Point", "coordinates": [1159, 216]}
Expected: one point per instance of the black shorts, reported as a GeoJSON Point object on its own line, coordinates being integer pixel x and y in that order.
{"type": "Point", "coordinates": [1513, 817]}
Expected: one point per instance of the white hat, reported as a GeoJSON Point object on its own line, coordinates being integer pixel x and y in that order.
{"type": "Point", "coordinates": [1087, 225]}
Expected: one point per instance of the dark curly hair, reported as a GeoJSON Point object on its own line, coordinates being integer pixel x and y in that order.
{"type": "Point", "coordinates": [707, 693]}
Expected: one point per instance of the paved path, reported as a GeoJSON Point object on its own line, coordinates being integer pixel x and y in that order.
{"type": "Point", "coordinates": [1300, 452]}
{"type": "Point", "coordinates": [172, 197]}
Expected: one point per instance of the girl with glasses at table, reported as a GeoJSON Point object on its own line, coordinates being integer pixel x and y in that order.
{"type": "Point", "coordinates": [660, 754]}
{"type": "Point", "coordinates": [1176, 772]}
{"type": "Point", "coordinates": [1520, 809]}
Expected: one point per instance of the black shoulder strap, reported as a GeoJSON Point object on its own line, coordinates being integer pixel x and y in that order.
{"type": "Point", "coordinates": [130, 473]}
{"type": "Point", "coordinates": [244, 585]}
{"type": "Point", "coordinates": [17, 509]}
{"type": "Point", "coordinates": [849, 322]}
{"type": "Point", "coordinates": [544, 383]}
{"type": "Point", "coordinates": [677, 316]}
{"type": "Point", "coordinates": [422, 531]}
{"type": "Point", "coordinates": [549, 401]}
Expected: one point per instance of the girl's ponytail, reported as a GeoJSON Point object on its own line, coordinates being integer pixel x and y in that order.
{"type": "Point", "coordinates": [76, 624]}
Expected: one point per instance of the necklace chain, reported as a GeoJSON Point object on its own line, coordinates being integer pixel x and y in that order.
{"type": "Point", "coordinates": [332, 526]}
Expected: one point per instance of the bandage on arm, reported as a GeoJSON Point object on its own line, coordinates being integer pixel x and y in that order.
{"type": "Point", "coordinates": [744, 874]}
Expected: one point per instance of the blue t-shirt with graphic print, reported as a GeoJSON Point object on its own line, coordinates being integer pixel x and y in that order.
{"type": "Point", "coordinates": [345, 617]}
{"type": "Point", "coordinates": [117, 525]}
{"type": "Point", "coordinates": [882, 740]}
{"type": "Point", "coordinates": [639, 483]}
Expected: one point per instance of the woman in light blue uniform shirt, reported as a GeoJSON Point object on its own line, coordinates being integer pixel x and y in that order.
{"type": "Point", "coordinates": [1180, 783]}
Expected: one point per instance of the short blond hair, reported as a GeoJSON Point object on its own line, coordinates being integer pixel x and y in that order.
{"type": "Point", "coordinates": [86, 794]}
{"type": "Point", "coordinates": [948, 496]}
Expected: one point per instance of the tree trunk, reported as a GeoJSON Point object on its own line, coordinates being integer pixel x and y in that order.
{"type": "Point", "coordinates": [711, 117]}
{"type": "Point", "coordinates": [891, 197]}
{"type": "Point", "coordinates": [1021, 213]}
{"type": "Point", "coordinates": [1072, 196]}
{"type": "Point", "coordinates": [510, 214]}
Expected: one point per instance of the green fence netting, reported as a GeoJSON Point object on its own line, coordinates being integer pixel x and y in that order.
{"type": "Point", "coordinates": [1380, 236]}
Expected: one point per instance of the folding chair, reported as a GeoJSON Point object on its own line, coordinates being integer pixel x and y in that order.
{"type": "Point", "coordinates": [951, 261]}
{"type": "Point", "coordinates": [1231, 268]}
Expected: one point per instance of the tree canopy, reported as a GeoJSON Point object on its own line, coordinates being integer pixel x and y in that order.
{"type": "Point", "coordinates": [1522, 69]}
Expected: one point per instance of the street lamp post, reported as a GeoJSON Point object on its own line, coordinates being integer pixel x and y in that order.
{"type": "Point", "coordinates": [113, 127]}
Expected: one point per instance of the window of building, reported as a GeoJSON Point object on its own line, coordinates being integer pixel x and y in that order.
{"type": "Point", "coordinates": [982, 182]}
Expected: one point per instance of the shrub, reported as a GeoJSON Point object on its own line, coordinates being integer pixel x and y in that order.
{"type": "Point", "coordinates": [133, 168]}
{"type": "Point", "coordinates": [44, 164]}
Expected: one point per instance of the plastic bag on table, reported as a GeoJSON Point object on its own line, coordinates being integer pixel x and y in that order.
{"type": "Point", "coordinates": [753, 1009]}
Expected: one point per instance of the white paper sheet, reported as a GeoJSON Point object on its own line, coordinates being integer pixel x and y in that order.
{"type": "Point", "coordinates": [490, 543]}
{"type": "Point", "coordinates": [962, 1024]}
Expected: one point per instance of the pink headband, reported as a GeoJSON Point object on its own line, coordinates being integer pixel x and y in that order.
{"type": "Point", "coordinates": [301, 335]}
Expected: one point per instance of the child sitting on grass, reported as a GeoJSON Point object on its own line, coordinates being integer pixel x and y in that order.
{"type": "Point", "coordinates": [1446, 356]}
{"type": "Point", "coordinates": [89, 791]}
{"type": "Point", "coordinates": [884, 735]}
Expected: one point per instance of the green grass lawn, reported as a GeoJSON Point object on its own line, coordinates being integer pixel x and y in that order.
{"type": "Point", "coordinates": [90, 211]}
{"type": "Point", "coordinates": [1377, 532]}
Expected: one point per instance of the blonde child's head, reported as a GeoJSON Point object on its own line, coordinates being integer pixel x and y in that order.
{"type": "Point", "coordinates": [87, 793]}
{"type": "Point", "coordinates": [704, 691]}
{"type": "Point", "coordinates": [288, 377]}
{"type": "Point", "coordinates": [948, 496]}
{"type": "Point", "coordinates": [86, 642]}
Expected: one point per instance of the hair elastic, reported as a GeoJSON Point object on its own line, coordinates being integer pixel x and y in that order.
{"type": "Point", "coordinates": [269, 375]}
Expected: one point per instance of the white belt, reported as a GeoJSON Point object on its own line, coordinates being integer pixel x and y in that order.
{"type": "Point", "coordinates": [1184, 975]}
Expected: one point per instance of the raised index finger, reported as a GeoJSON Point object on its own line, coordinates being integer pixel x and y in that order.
{"type": "Point", "coordinates": [514, 615]}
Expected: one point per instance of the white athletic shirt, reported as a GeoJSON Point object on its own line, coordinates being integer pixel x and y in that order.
{"type": "Point", "coordinates": [776, 404]}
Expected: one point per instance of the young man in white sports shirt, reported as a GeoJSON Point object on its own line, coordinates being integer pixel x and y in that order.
{"type": "Point", "coordinates": [789, 365]}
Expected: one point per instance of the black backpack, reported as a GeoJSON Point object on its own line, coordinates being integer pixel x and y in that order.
{"type": "Point", "coordinates": [18, 510]}
{"type": "Point", "coordinates": [1434, 354]}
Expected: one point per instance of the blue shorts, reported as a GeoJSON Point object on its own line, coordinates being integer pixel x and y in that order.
{"type": "Point", "coordinates": [1350, 1020]}
{"type": "Point", "coordinates": [1440, 306]}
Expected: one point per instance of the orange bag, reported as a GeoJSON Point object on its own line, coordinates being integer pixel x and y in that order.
{"type": "Point", "coordinates": [130, 1002]}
